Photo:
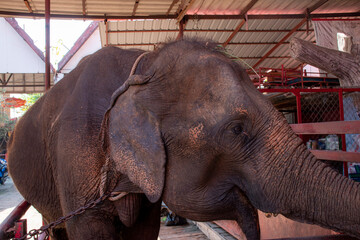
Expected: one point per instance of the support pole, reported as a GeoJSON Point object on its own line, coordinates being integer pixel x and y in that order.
{"type": "Point", "coordinates": [106, 32]}
{"type": "Point", "coordinates": [298, 108]}
{"type": "Point", "coordinates": [181, 30]}
{"type": "Point", "coordinates": [47, 45]}
{"type": "Point", "coordinates": [343, 140]}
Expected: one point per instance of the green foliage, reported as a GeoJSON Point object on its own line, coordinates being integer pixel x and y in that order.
{"type": "Point", "coordinates": [30, 100]}
{"type": "Point", "coordinates": [6, 125]}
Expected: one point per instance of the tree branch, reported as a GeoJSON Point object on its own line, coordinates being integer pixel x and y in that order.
{"type": "Point", "coordinates": [343, 65]}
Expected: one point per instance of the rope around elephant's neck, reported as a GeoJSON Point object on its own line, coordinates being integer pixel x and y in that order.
{"type": "Point", "coordinates": [114, 196]}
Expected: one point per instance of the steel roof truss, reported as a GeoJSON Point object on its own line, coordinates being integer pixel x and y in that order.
{"type": "Point", "coordinates": [242, 13]}
{"type": "Point", "coordinates": [307, 13]}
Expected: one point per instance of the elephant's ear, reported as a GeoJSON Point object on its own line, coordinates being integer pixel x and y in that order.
{"type": "Point", "coordinates": [132, 139]}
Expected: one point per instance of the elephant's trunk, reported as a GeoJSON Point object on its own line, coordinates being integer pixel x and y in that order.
{"type": "Point", "coordinates": [305, 189]}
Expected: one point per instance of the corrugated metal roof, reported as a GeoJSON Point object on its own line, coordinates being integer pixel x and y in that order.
{"type": "Point", "coordinates": [173, 7]}
{"type": "Point", "coordinates": [341, 5]}
{"type": "Point", "coordinates": [252, 42]}
{"type": "Point", "coordinates": [268, 22]}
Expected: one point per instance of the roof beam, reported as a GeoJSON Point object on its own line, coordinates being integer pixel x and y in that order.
{"type": "Point", "coordinates": [272, 57]}
{"type": "Point", "coordinates": [243, 13]}
{"type": "Point", "coordinates": [307, 13]}
{"type": "Point", "coordinates": [27, 4]}
{"type": "Point", "coordinates": [197, 17]}
{"type": "Point", "coordinates": [84, 7]}
{"type": "Point", "coordinates": [4, 81]}
{"type": "Point", "coordinates": [182, 24]}
{"type": "Point", "coordinates": [280, 42]}
{"type": "Point", "coordinates": [256, 43]}
{"type": "Point", "coordinates": [180, 7]}
{"type": "Point", "coordinates": [276, 16]}
{"type": "Point", "coordinates": [183, 11]}
{"type": "Point", "coordinates": [205, 30]}
{"type": "Point", "coordinates": [316, 5]}
{"type": "Point", "coordinates": [239, 43]}
{"type": "Point", "coordinates": [171, 6]}
{"type": "Point", "coordinates": [234, 33]}
{"type": "Point", "coordinates": [248, 7]}
{"type": "Point", "coordinates": [135, 7]}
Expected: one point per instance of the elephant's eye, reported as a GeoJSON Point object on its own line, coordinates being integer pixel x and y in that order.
{"type": "Point", "coordinates": [237, 129]}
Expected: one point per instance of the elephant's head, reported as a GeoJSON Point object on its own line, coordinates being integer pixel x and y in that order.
{"type": "Point", "coordinates": [194, 132]}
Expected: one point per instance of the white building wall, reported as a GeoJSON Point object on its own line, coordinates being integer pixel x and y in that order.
{"type": "Point", "coordinates": [311, 71]}
{"type": "Point", "coordinates": [16, 55]}
{"type": "Point", "coordinates": [90, 46]}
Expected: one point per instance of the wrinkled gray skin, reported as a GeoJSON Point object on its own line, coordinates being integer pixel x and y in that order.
{"type": "Point", "coordinates": [190, 130]}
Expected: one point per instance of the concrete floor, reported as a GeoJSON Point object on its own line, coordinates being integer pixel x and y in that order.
{"type": "Point", "coordinates": [10, 198]}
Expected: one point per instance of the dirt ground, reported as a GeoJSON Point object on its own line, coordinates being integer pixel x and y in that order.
{"type": "Point", "coordinates": [10, 198]}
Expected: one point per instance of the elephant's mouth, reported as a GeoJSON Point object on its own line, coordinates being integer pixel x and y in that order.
{"type": "Point", "coordinates": [228, 205]}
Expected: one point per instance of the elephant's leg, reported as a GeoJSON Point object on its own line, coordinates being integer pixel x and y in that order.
{"type": "Point", "coordinates": [147, 225]}
{"type": "Point", "coordinates": [92, 224]}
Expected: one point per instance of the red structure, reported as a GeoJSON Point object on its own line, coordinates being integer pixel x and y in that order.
{"type": "Point", "coordinates": [282, 77]}
{"type": "Point", "coordinates": [13, 102]}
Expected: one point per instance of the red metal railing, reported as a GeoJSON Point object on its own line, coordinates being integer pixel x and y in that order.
{"type": "Point", "coordinates": [290, 77]}
{"type": "Point", "coordinates": [13, 217]}
{"type": "Point", "coordinates": [340, 127]}
{"type": "Point", "coordinates": [312, 128]}
{"type": "Point", "coordinates": [339, 91]}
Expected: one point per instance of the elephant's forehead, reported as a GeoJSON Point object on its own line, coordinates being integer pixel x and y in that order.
{"type": "Point", "coordinates": [213, 112]}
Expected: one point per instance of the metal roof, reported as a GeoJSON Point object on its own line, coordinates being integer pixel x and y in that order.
{"type": "Point", "coordinates": [250, 43]}
{"type": "Point", "coordinates": [95, 8]}
{"type": "Point", "coordinates": [256, 31]}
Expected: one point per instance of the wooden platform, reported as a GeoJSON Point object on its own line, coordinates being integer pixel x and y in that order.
{"type": "Point", "coordinates": [185, 232]}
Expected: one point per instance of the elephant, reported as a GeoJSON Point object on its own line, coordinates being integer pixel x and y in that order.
{"type": "Point", "coordinates": [182, 124]}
